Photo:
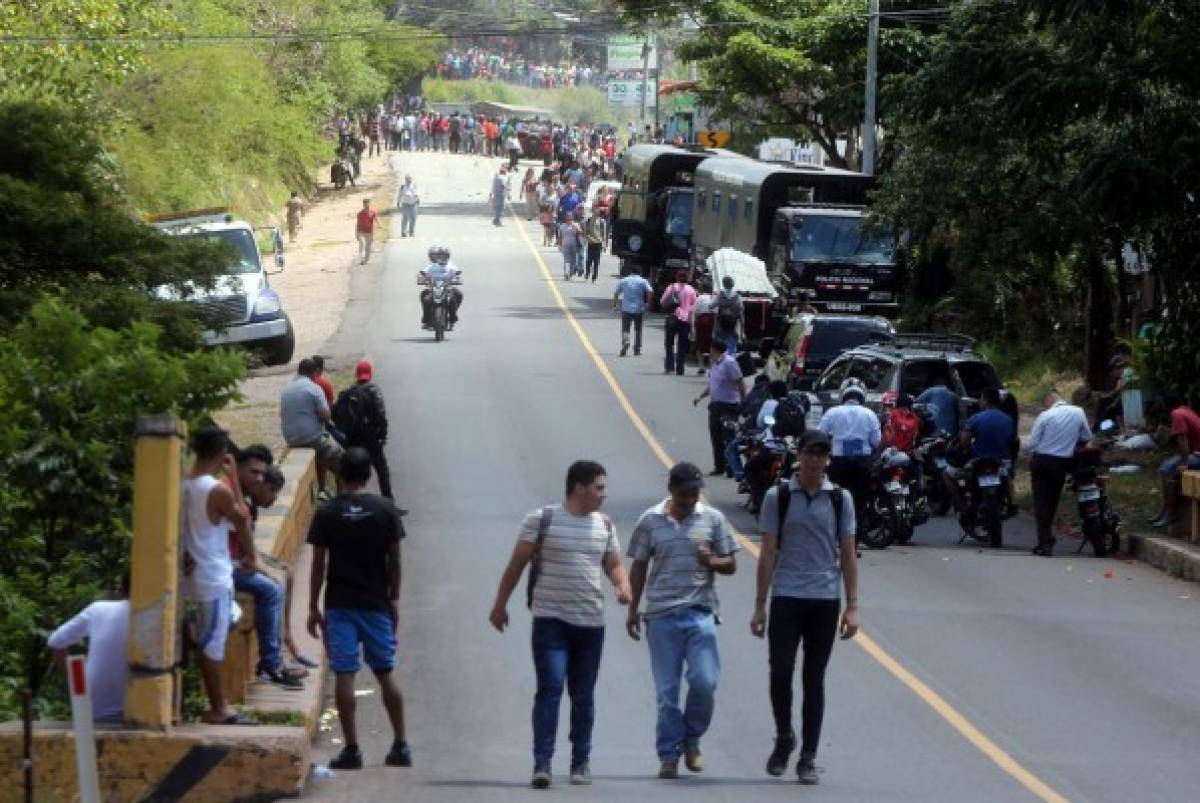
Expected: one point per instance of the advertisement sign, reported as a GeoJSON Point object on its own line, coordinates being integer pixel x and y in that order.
{"type": "Point", "coordinates": [789, 150]}
{"type": "Point", "coordinates": [629, 93]}
{"type": "Point", "coordinates": [625, 53]}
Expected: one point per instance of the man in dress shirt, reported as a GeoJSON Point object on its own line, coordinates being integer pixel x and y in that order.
{"type": "Point", "coordinates": [1056, 433]}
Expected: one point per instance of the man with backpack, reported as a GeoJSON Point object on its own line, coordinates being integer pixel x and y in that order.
{"type": "Point", "coordinates": [728, 309]}
{"type": "Point", "coordinates": [902, 426]}
{"type": "Point", "coordinates": [789, 412]}
{"type": "Point", "coordinates": [359, 413]}
{"type": "Point", "coordinates": [575, 546]}
{"type": "Point", "coordinates": [677, 302]}
{"type": "Point", "coordinates": [807, 528]}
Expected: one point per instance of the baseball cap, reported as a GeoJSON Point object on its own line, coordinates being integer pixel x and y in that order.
{"type": "Point", "coordinates": [814, 439]}
{"type": "Point", "coordinates": [363, 370]}
{"type": "Point", "coordinates": [685, 476]}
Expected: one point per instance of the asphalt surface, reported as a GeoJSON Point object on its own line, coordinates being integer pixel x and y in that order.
{"type": "Point", "coordinates": [1035, 678]}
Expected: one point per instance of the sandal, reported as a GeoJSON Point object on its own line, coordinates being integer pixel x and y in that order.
{"type": "Point", "coordinates": [236, 718]}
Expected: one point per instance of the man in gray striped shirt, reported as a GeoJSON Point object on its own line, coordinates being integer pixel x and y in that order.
{"type": "Point", "coordinates": [677, 549]}
{"type": "Point", "coordinates": [575, 546]}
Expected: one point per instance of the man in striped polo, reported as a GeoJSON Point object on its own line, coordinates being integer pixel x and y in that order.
{"type": "Point", "coordinates": [677, 549]}
{"type": "Point", "coordinates": [572, 547]}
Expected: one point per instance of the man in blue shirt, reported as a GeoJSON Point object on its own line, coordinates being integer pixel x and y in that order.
{"type": "Point", "coordinates": [990, 431]}
{"type": "Point", "coordinates": [633, 291]}
{"type": "Point", "coordinates": [943, 403]}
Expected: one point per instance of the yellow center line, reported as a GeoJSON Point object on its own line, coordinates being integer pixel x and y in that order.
{"type": "Point", "coordinates": [939, 704]}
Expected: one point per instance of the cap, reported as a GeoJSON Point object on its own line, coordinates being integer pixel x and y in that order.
{"type": "Point", "coordinates": [685, 476]}
{"type": "Point", "coordinates": [363, 370]}
{"type": "Point", "coordinates": [814, 439]}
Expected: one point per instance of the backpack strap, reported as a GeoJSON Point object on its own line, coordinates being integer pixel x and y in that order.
{"type": "Point", "coordinates": [543, 526]}
{"type": "Point", "coordinates": [837, 498]}
{"type": "Point", "coordinates": [783, 501]}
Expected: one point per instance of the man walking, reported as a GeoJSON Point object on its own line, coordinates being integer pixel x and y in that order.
{"type": "Point", "coordinates": [728, 309]}
{"type": "Point", "coordinates": [356, 557]}
{"type": "Point", "coordinates": [677, 549]}
{"type": "Point", "coordinates": [409, 200]}
{"type": "Point", "coordinates": [725, 393]}
{"type": "Point", "coordinates": [572, 546]}
{"type": "Point", "coordinates": [633, 292]}
{"type": "Point", "coordinates": [677, 302]}
{"type": "Point", "coordinates": [1056, 433]}
{"type": "Point", "coordinates": [359, 412]}
{"type": "Point", "coordinates": [597, 225]}
{"type": "Point", "coordinates": [498, 195]}
{"type": "Point", "coordinates": [807, 547]}
{"type": "Point", "coordinates": [364, 229]}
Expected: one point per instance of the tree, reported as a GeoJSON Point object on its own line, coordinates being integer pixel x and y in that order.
{"type": "Point", "coordinates": [71, 394]}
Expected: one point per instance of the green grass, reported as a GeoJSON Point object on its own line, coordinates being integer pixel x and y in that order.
{"type": "Point", "coordinates": [569, 104]}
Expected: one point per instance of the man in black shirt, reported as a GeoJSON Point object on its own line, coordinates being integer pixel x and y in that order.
{"type": "Point", "coordinates": [357, 535]}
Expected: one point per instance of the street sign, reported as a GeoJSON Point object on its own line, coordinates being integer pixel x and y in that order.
{"type": "Point", "coordinates": [85, 734]}
{"type": "Point", "coordinates": [712, 139]}
{"type": "Point", "coordinates": [629, 93]}
{"type": "Point", "coordinates": [625, 52]}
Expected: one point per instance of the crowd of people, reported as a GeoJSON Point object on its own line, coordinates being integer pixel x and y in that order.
{"type": "Point", "coordinates": [477, 62]}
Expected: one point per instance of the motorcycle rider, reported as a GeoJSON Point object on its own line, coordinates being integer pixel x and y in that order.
{"type": "Point", "coordinates": [988, 436]}
{"type": "Point", "coordinates": [856, 434]}
{"type": "Point", "coordinates": [440, 270]}
{"type": "Point", "coordinates": [758, 479]}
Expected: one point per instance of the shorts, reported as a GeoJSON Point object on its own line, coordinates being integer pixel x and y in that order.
{"type": "Point", "coordinates": [347, 628]}
{"type": "Point", "coordinates": [212, 625]}
{"type": "Point", "coordinates": [1170, 467]}
{"type": "Point", "coordinates": [328, 450]}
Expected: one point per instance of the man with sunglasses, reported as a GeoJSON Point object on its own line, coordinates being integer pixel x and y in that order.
{"type": "Point", "coordinates": [807, 548]}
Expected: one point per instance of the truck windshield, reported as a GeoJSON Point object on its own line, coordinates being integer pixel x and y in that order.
{"type": "Point", "coordinates": [243, 250]}
{"type": "Point", "coordinates": [817, 238]}
{"type": "Point", "coordinates": [679, 213]}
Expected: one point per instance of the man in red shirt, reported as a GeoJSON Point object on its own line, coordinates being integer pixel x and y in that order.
{"type": "Point", "coordinates": [1185, 438]}
{"type": "Point", "coordinates": [364, 229]}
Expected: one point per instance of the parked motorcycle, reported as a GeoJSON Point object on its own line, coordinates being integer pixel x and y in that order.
{"type": "Point", "coordinates": [781, 465]}
{"type": "Point", "coordinates": [888, 514]}
{"type": "Point", "coordinates": [984, 490]}
{"type": "Point", "coordinates": [932, 455]}
{"type": "Point", "coordinates": [1101, 525]}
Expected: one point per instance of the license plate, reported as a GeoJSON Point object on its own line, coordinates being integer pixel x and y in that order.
{"type": "Point", "coordinates": [1089, 494]}
{"type": "Point", "coordinates": [843, 306]}
{"type": "Point", "coordinates": [989, 481]}
{"type": "Point", "coordinates": [893, 487]}
{"type": "Point", "coordinates": [941, 462]}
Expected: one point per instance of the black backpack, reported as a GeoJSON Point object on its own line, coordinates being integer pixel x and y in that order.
{"type": "Point", "coordinates": [727, 318]}
{"type": "Point", "coordinates": [784, 501]}
{"type": "Point", "coordinates": [791, 415]}
{"type": "Point", "coordinates": [671, 302]}
{"type": "Point", "coordinates": [353, 413]}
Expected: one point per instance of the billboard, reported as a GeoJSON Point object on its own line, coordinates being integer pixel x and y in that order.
{"type": "Point", "coordinates": [625, 52]}
{"type": "Point", "coordinates": [629, 93]}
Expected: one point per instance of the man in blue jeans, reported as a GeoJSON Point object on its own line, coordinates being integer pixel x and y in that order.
{"type": "Point", "coordinates": [677, 549]}
{"type": "Point", "coordinates": [575, 545]}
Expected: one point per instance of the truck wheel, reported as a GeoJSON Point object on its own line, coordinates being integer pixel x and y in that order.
{"type": "Point", "coordinates": [279, 350]}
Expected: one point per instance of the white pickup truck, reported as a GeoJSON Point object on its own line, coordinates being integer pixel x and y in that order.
{"type": "Point", "coordinates": [247, 311]}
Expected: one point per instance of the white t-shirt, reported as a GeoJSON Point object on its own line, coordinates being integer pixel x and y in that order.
{"type": "Point", "coordinates": [106, 627]}
{"type": "Point", "coordinates": [207, 543]}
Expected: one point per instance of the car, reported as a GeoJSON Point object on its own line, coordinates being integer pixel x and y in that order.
{"type": "Point", "coordinates": [810, 341]}
{"type": "Point", "coordinates": [910, 364]}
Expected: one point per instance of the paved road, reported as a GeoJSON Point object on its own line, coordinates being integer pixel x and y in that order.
{"type": "Point", "coordinates": [986, 676]}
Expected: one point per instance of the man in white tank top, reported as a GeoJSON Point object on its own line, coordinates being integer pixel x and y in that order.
{"type": "Point", "coordinates": [210, 511]}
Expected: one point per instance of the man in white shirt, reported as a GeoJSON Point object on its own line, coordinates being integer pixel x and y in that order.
{"type": "Point", "coordinates": [1056, 433]}
{"type": "Point", "coordinates": [855, 432]}
{"type": "Point", "coordinates": [408, 199]}
{"type": "Point", "coordinates": [105, 625]}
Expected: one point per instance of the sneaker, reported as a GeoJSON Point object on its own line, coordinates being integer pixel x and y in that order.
{"type": "Point", "coordinates": [541, 778]}
{"type": "Point", "coordinates": [693, 759]}
{"type": "Point", "coordinates": [778, 760]}
{"type": "Point", "coordinates": [399, 756]}
{"type": "Point", "coordinates": [581, 775]}
{"type": "Point", "coordinates": [283, 678]}
{"type": "Point", "coordinates": [668, 770]}
{"type": "Point", "coordinates": [806, 772]}
{"type": "Point", "coordinates": [349, 759]}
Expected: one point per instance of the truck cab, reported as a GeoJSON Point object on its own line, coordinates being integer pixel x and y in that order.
{"type": "Point", "coordinates": [242, 309]}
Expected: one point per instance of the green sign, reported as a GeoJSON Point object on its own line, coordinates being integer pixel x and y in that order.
{"type": "Point", "coordinates": [625, 53]}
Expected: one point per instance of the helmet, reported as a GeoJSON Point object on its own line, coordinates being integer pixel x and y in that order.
{"type": "Point", "coordinates": [853, 387]}
{"type": "Point", "coordinates": [439, 254]}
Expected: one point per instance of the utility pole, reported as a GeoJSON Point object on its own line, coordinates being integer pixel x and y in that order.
{"type": "Point", "coordinates": [657, 73]}
{"type": "Point", "coordinates": [645, 76]}
{"type": "Point", "coordinates": [868, 163]}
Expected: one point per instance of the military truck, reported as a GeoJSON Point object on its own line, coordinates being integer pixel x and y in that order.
{"type": "Point", "coordinates": [808, 225]}
{"type": "Point", "coordinates": [652, 220]}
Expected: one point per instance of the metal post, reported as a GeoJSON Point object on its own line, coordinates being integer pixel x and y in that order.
{"type": "Point", "coordinates": [27, 722]}
{"type": "Point", "coordinates": [84, 730]}
{"type": "Point", "coordinates": [657, 75]}
{"type": "Point", "coordinates": [154, 568]}
{"type": "Point", "coordinates": [645, 76]}
{"type": "Point", "coordinates": [868, 163]}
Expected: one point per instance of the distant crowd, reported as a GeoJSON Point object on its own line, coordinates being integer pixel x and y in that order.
{"type": "Point", "coordinates": [475, 62]}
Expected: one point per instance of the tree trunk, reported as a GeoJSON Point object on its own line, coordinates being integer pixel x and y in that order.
{"type": "Point", "coordinates": [1099, 332]}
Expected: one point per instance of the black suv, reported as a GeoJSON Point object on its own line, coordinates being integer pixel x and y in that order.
{"type": "Point", "coordinates": [911, 364]}
{"type": "Point", "coordinates": [810, 341]}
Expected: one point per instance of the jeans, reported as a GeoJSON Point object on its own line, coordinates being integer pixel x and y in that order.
{"type": "Point", "coordinates": [632, 319]}
{"type": "Point", "coordinates": [1169, 470]}
{"type": "Point", "coordinates": [268, 616]}
{"type": "Point", "coordinates": [676, 344]}
{"type": "Point", "coordinates": [730, 339]}
{"type": "Point", "coordinates": [570, 261]}
{"type": "Point", "coordinates": [717, 413]}
{"type": "Point", "coordinates": [497, 211]}
{"type": "Point", "coordinates": [733, 458]}
{"type": "Point", "coordinates": [408, 219]}
{"type": "Point", "coordinates": [1047, 474]}
{"type": "Point", "coordinates": [685, 637]}
{"type": "Point", "coordinates": [793, 621]}
{"type": "Point", "coordinates": [567, 653]}
{"type": "Point", "coordinates": [592, 268]}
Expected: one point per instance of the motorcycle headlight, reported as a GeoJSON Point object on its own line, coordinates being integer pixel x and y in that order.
{"type": "Point", "coordinates": [267, 306]}
{"type": "Point", "coordinates": [635, 242]}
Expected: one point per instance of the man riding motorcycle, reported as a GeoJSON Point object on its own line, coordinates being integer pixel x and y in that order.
{"type": "Point", "coordinates": [855, 432]}
{"type": "Point", "coordinates": [440, 270]}
{"type": "Point", "coordinates": [988, 434]}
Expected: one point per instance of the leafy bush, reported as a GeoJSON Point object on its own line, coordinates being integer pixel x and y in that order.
{"type": "Point", "coordinates": [71, 394]}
